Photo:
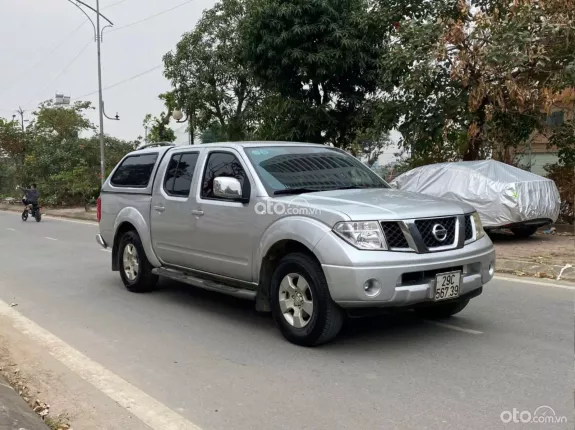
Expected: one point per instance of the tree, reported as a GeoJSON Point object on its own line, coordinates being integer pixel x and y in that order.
{"type": "Point", "coordinates": [159, 130]}
{"type": "Point", "coordinates": [213, 133]}
{"type": "Point", "coordinates": [210, 78]}
{"type": "Point", "coordinates": [480, 75]}
{"type": "Point", "coordinates": [317, 61]}
{"type": "Point", "coordinates": [65, 122]}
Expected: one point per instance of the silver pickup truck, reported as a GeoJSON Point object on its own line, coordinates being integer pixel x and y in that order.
{"type": "Point", "coordinates": [307, 231]}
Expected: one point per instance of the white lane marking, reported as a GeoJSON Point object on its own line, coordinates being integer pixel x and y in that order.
{"type": "Point", "coordinates": [49, 238]}
{"type": "Point", "coordinates": [453, 327]}
{"type": "Point", "coordinates": [534, 282]}
{"type": "Point", "coordinates": [11, 229]}
{"type": "Point", "coordinates": [105, 250]}
{"type": "Point", "coordinates": [153, 413]}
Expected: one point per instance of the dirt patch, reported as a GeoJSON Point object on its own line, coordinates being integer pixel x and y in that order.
{"type": "Point", "coordinates": [59, 394]}
{"type": "Point", "coordinates": [30, 388]}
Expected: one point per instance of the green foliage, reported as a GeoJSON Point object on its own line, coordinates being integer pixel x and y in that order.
{"type": "Point", "coordinates": [52, 153]}
{"type": "Point", "coordinates": [213, 133]}
{"type": "Point", "coordinates": [563, 138]}
{"type": "Point", "coordinates": [158, 129]}
{"type": "Point", "coordinates": [319, 61]}
{"type": "Point", "coordinates": [67, 122]}
{"type": "Point", "coordinates": [209, 75]}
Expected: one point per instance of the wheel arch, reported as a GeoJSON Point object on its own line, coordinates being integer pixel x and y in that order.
{"type": "Point", "coordinates": [131, 219]}
{"type": "Point", "coordinates": [269, 263]}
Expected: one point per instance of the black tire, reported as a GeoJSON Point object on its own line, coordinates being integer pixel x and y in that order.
{"type": "Point", "coordinates": [38, 216]}
{"type": "Point", "coordinates": [441, 310]}
{"type": "Point", "coordinates": [144, 280]}
{"type": "Point", "coordinates": [25, 215]}
{"type": "Point", "coordinates": [327, 318]}
{"type": "Point", "coordinates": [524, 232]}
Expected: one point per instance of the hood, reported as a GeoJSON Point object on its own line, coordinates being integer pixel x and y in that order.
{"type": "Point", "coordinates": [378, 204]}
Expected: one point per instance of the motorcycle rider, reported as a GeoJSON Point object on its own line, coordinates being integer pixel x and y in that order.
{"type": "Point", "coordinates": [31, 196]}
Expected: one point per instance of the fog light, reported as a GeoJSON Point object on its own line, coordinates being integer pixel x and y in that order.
{"type": "Point", "coordinates": [372, 287]}
{"type": "Point", "coordinates": [491, 269]}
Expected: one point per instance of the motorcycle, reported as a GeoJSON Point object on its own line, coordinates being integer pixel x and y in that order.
{"type": "Point", "coordinates": [34, 211]}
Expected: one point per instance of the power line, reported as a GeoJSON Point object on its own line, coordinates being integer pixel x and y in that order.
{"type": "Point", "coordinates": [21, 76]}
{"type": "Point", "coordinates": [150, 17]}
{"type": "Point", "coordinates": [113, 4]}
{"type": "Point", "coordinates": [131, 78]}
{"type": "Point", "coordinates": [63, 70]}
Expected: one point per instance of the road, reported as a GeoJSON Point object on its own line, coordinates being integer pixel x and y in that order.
{"type": "Point", "coordinates": [220, 365]}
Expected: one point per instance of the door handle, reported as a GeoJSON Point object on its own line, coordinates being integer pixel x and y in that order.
{"type": "Point", "coordinates": [197, 212]}
{"type": "Point", "coordinates": [159, 208]}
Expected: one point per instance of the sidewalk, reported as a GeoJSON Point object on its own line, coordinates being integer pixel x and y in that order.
{"type": "Point", "coordinates": [15, 414]}
{"type": "Point", "coordinates": [542, 255]}
{"type": "Point", "coordinates": [74, 213]}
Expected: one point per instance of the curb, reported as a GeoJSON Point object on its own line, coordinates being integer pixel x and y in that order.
{"type": "Point", "coordinates": [537, 270]}
{"type": "Point", "coordinates": [80, 217]}
{"type": "Point", "coordinates": [15, 414]}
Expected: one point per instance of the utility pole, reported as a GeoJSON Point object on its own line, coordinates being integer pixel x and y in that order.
{"type": "Point", "coordinates": [21, 113]}
{"type": "Point", "coordinates": [98, 34]}
{"type": "Point", "coordinates": [101, 102]}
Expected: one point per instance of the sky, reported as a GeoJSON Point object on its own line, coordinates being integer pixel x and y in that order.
{"type": "Point", "coordinates": [46, 49]}
{"type": "Point", "coordinates": [32, 70]}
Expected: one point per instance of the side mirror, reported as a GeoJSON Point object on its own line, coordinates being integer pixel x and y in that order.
{"type": "Point", "coordinates": [228, 188]}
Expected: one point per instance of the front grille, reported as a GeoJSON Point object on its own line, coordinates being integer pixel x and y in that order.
{"type": "Point", "coordinates": [468, 228]}
{"type": "Point", "coordinates": [426, 227]}
{"type": "Point", "coordinates": [393, 235]}
{"type": "Point", "coordinates": [427, 275]}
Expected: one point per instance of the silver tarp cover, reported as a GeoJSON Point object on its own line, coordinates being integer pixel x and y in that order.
{"type": "Point", "coordinates": [502, 194]}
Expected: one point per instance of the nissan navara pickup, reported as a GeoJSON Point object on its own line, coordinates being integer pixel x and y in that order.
{"type": "Point", "coordinates": [306, 231]}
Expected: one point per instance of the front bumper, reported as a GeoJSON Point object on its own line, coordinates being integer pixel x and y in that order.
{"type": "Point", "coordinates": [101, 241]}
{"type": "Point", "coordinates": [405, 278]}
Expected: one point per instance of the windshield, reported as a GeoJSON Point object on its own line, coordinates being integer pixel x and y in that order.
{"type": "Point", "coordinates": [300, 169]}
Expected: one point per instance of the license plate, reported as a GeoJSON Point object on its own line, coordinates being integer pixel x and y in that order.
{"type": "Point", "coordinates": [447, 286]}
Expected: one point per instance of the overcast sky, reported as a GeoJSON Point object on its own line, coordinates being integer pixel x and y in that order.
{"type": "Point", "coordinates": [29, 73]}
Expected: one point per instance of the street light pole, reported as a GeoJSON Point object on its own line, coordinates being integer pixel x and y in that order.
{"type": "Point", "coordinates": [98, 33]}
{"type": "Point", "coordinates": [101, 102]}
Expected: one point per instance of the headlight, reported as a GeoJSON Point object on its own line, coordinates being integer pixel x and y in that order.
{"type": "Point", "coordinates": [361, 234]}
{"type": "Point", "coordinates": [479, 232]}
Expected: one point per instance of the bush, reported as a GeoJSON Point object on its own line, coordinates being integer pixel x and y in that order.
{"type": "Point", "coordinates": [564, 177]}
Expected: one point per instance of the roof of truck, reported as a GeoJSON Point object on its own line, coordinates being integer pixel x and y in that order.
{"type": "Point", "coordinates": [246, 144]}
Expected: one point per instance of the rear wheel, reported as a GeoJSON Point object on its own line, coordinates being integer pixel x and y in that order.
{"type": "Point", "coordinates": [301, 304]}
{"type": "Point", "coordinates": [524, 232]}
{"type": "Point", "coordinates": [441, 310]}
{"type": "Point", "coordinates": [38, 216]}
{"type": "Point", "coordinates": [135, 269]}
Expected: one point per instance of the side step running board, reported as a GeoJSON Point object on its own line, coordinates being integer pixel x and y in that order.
{"type": "Point", "coordinates": [205, 283]}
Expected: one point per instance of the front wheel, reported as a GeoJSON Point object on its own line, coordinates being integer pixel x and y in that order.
{"type": "Point", "coordinates": [301, 304]}
{"type": "Point", "coordinates": [25, 215]}
{"type": "Point", "coordinates": [441, 310]}
{"type": "Point", "coordinates": [135, 269]}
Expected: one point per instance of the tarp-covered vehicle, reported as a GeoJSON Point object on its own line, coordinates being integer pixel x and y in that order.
{"type": "Point", "coordinates": [504, 196]}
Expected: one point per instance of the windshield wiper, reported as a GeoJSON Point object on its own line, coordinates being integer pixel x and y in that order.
{"type": "Point", "coordinates": [295, 191]}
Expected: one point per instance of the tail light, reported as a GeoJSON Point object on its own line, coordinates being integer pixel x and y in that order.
{"type": "Point", "coordinates": [99, 209]}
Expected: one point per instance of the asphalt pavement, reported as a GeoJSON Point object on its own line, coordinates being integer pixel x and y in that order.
{"type": "Point", "coordinates": [220, 365]}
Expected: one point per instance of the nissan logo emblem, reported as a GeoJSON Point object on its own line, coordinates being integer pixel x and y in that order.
{"type": "Point", "coordinates": [439, 232]}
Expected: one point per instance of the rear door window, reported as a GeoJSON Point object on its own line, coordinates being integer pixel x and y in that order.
{"type": "Point", "coordinates": [135, 171]}
{"type": "Point", "coordinates": [179, 174]}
